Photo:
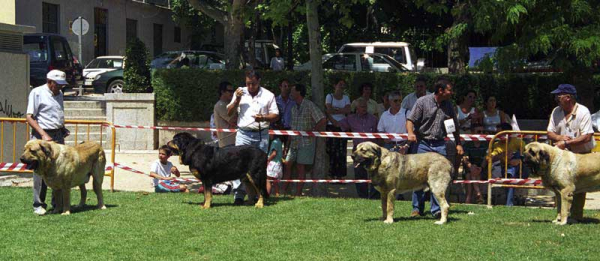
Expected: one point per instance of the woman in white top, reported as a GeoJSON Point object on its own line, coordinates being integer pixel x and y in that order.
{"type": "Point", "coordinates": [466, 113]}
{"type": "Point", "coordinates": [337, 105]}
{"type": "Point", "coordinates": [492, 117]}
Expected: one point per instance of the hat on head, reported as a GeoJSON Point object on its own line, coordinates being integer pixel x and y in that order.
{"type": "Point", "coordinates": [565, 88]}
{"type": "Point", "coordinates": [57, 76]}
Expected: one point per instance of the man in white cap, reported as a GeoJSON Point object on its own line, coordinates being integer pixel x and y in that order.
{"type": "Point", "coordinates": [45, 115]}
{"type": "Point", "coordinates": [570, 128]}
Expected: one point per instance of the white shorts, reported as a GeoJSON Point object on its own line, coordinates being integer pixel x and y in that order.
{"type": "Point", "coordinates": [274, 170]}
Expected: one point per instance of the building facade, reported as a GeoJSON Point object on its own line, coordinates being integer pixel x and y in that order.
{"type": "Point", "coordinates": [111, 24]}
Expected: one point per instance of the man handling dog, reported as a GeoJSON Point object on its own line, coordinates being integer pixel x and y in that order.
{"type": "Point", "coordinates": [45, 115]}
{"type": "Point", "coordinates": [570, 128]}
{"type": "Point", "coordinates": [431, 119]}
{"type": "Point", "coordinates": [257, 108]}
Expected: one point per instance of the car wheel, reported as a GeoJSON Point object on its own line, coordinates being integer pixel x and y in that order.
{"type": "Point", "coordinates": [115, 86]}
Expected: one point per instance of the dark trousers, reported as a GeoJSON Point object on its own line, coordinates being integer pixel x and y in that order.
{"type": "Point", "coordinates": [39, 186]}
{"type": "Point", "coordinates": [337, 150]}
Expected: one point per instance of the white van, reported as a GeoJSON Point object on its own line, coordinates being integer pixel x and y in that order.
{"type": "Point", "coordinates": [400, 51]}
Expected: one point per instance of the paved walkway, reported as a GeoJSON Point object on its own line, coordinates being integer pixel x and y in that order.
{"type": "Point", "coordinates": [141, 160]}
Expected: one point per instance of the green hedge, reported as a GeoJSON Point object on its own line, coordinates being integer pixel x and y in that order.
{"type": "Point", "coordinates": [190, 94]}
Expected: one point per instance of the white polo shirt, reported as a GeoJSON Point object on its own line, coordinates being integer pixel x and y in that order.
{"type": "Point", "coordinates": [263, 103]}
{"type": "Point", "coordinates": [578, 124]}
{"type": "Point", "coordinates": [46, 109]}
{"type": "Point", "coordinates": [393, 123]}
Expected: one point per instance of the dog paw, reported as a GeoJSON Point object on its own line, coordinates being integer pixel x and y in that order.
{"type": "Point", "coordinates": [66, 213]}
{"type": "Point", "coordinates": [388, 221]}
{"type": "Point", "coordinates": [205, 207]}
{"type": "Point", "coordinates": [80, 206]}
{"type": "Point", "coordinates": [102, 207]}
{"type": "Point", "coordinates": [259, 205]}
{"type": "Point", "coordinates": [440, 222]}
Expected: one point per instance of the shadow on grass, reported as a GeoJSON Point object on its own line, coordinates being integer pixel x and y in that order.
{"type": "Point", "coordinates": [75, 209]}
{"type": "Point", "coordinates": [269, 202]}
{"type": "Point", "coordinates": [586, 220]}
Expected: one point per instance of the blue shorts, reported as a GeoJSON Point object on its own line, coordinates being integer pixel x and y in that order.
{"type": "Point", "coordinates": [167, 186]}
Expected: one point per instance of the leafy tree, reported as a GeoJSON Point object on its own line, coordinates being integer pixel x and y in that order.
{"type": "Point", "coordinates": [137, 72]}
{"type": "Point", "coordinates": [231, 15]}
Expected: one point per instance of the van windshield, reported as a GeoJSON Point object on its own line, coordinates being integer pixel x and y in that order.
{"type": "Point", "coordinates": [395, 52]}
{"type": "Point", "coordinates": [36, 48]}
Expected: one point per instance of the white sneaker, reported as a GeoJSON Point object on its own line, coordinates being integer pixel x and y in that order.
{"type": "Point", "coordinates": [40, 211]}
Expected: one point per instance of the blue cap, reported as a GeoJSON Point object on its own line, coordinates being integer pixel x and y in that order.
{"type": "Point", "coordinates": [565, 88]}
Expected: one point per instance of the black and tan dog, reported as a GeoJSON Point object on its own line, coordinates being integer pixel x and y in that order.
{"type": "Point", "coordinates": [568, 174]}
{"type": "Point", "coordinates": [392, 173]}
{"type": "Point", "coordinates": [213, 165]}
{"type": "Point", "coordinates": [63, 167]}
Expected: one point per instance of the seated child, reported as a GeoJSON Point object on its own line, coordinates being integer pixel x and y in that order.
{"type": "Point", "coordinates": [274, 163]}
{"type": "Point", "coordinates": [161, 171]}
{"type": "Point", "coordinates": [509, 155]}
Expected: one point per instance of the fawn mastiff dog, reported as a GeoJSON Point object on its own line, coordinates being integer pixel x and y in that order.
{"type": "Point", "coordinates": [63, 167]}
{"type": "Point", "coordinates": [393, 173]}
{"type": "Point", "coordinates": [565, 172]}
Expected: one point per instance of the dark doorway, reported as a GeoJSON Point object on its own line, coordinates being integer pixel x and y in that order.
{"type": "Point", "coordinates": [158, 39]}
{"type": "Point", "coordinates": [100, 22]}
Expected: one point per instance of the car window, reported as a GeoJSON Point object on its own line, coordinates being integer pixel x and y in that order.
{"type": "Point", "coordinates": [118, 63]}
{"type": "Point", "coordinates": [340, 62]}
{"type": "Point", "coordinates": [395, 52]}
{"type": "Point", "coordinates": [202, 60]}
{"type": "Point", "coordinates": [37, 51]}
{"type": "Point", "coordinates": [59, 50]}
{"type": "Point", "coordinates": [381, 65]}
{"type": "Point", "coordinates": [352, 49]}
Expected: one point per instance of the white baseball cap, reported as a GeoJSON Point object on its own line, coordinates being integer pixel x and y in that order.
{"type": "Point", "coordinates": [58, 76]}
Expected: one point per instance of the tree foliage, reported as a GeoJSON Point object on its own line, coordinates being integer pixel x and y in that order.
{"type": "Point", "coordinates": [137, 72]}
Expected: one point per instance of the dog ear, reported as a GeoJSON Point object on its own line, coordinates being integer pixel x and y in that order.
{"type": "Point", "coordinates": [46, 148]}
{"type": "Point", "coordinates": [544, 156]}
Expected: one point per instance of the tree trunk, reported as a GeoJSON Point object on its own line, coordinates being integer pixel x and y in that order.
{"type": "Point", "coordinates": [320, 166]}
{"type": "Point", "coordinates": [290, 44]}
{"type": "Point", "coordinates": [234, 25]}
{"type": "Point", "coordinates": [458, 48]}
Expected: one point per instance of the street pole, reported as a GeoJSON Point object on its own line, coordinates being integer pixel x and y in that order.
{"type": "Point", "coordinates": [79, 36]}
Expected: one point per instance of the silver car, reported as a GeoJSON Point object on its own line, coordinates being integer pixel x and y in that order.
{"type": "Point", "coordinates": [357, 62]}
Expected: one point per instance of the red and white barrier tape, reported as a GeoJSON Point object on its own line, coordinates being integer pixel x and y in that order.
{"type": "Point", "coordinates": [12, 166]}
{"type": "Point", "coordinates": [501, 181]}
{"type": "Point", "coordinates": [4, 166]}
{"type": "Point", "coordinates": [329, 134]}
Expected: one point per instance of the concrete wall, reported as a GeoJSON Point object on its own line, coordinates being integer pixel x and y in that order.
{"type": "Point", "coordinates": [14, 89]}
{"type": "Point", "coordinates": [29, 12]}
{"type": "Point", "coordinates": [7, 12]}
{"type": "Point", "coordinates": [132, 109]}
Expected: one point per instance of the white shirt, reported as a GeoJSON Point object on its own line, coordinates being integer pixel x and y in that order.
{"type": "Point", "coordinates": [580, 123]}
{"type": "Point", "coordinates": [47, 109]}
{"type": "Point", "coordinates": [393, 123]}
{"type": "Point", "coordinates": [277, 63]}
{"type": "Point", "coordinates": [161, 170]}
{"type": "Point", "coordinates": [335, 103]}
{"type": "Point", "coordinates": [409, 101]}
{"type": "Point", "coordinates": [263, 103]}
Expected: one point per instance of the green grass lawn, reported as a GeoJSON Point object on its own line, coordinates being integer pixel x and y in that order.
{"type": "Point", "coordinates": [173, 227]}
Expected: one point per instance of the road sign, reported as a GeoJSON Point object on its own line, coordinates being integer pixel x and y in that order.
{"type": "Point", "coordinates": [80, 26]}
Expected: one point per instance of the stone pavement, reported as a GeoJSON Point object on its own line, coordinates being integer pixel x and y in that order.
{"type": "Point", "coordinates": [141, 160]}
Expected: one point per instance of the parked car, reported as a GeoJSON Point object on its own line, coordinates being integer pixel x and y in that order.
{"type": "Point", "coordinates": [48, 52]}
{"type": "Point", "coordinates": [400, 51]}
{"type": "Point", "coordinates": [109, 82]}
{"type": "Point", "coordinates": [101, 65]}
{"type": "Point", "coordinates": [264, 50]}
{"type": "Point", "coordinates": [197, 59]}
{"type": "Point", "coordinates": [357, 62]}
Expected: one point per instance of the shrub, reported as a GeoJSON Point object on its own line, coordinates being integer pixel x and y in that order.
{"type": "Point", "coordinates": [137, 72]}
{"type": "Point", "coordinates": [189, 95]}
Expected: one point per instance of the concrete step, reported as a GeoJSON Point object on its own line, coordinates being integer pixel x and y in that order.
{"type": "Point", "coordinates": [82, 136]}
{"type": "Point", "coordinates": [89, 118]}
{"type": "Point", "coordinates": [84, 112]}
{"type": "Point", "coordinates": [85, 104]}
{"type": "Point", "coordinates": [84, 128]}
{"type": "Point", "coordinates": [105, 144]}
